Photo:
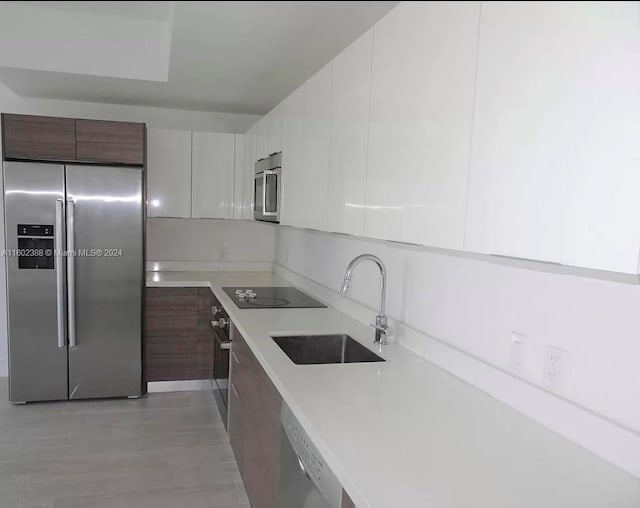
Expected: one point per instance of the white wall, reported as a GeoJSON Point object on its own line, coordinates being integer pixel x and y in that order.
{"type": "Point", "coordinates": [153, 117]}
{"type": "Point", "coordinates": [215, 243]}
{"type": "Point", "coordinates": [460, 311]}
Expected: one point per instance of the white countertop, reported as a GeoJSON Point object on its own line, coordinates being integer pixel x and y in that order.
{"type": "Point", "coordinates": [405, 433]}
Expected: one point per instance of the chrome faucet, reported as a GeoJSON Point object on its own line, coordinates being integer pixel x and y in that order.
{"type": "Point", "coordinates": [381, 319]}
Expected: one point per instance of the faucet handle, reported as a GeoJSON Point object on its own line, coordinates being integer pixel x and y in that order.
{"type": "Point", "coordinates": [382, 330]}
{"type": "Point", "coordinates": [388, 330]}
{"type": "Point", "coordinates": [381, 334]}
{"type": "Point", "coordinates": [381, 323]}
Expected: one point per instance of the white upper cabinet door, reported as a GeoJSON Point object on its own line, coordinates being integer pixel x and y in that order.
{"type": "Point", "coordinates": [293, 158]}
{"type": "Point", "coordinates": [243, 187]}
{"type": "Point", "coordinates": [212, 165]}
{"type": "Point", "coordinates": [248, 186]}
{"type": "Point", "coordinates": [602, 215]}
{"type": "Point", "coordinates": [254, 143]}
{"type": "Point", "coordinates": [349, 135]}
{"type": "Point", "coordinates": [274, 130]}
{"type": "Point", "coordinates": [262, 138]}
{"type": "Point", "coordinates": [424, 63]}
{"type": "Point", "coordinates": [168, 173]}
{"type": "Point", "coordinates": [519, 157]}
{"type": "Point", "coordinates": [555, 151]}
{"type": "Point", "coordinates": [315, 166]}
{"type": "Point", "coordinates": [239, 167]}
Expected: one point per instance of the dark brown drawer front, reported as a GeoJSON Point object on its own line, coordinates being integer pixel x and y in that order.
{"type": "Point", "coordinates": [346, 501]}
{"type": "Point", "coordinates": [259, 424]}
{"type": "Point", "coordinates": [39, 137]}
{"type": "Point", "coordinates": [117, 142]}
{"type": "Point", "coordinates": [239, 346]}
{"type": "Point", "coordinates": [178, 341]}
{"type": "Point", "coordinates": [172, 311]}
{"type": "Point", "coordinates": [236, 425]}
{"type": "Point", "coordinates": [205, 338]}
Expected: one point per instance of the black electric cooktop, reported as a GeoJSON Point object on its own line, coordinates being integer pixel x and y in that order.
{"type": "Point", "coordinates": [283, 297]}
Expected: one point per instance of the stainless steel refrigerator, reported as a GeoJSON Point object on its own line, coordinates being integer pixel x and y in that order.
{"type": "Point", "coordinates": [74, 264]}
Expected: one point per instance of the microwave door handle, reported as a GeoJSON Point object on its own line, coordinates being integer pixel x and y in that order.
{"type": "Point", "coordinates": [264, 193]}
{"type": "Point", "coordinates": [254, 198]}
{"type": "Point", "coordinates": [264, 208]}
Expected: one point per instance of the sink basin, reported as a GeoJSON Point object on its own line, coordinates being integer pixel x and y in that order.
{"type": "Point", "coordinates": [320, 349]}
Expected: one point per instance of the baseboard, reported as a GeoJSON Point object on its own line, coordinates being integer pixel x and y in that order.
{"type": "Point", "coordinates": [179, 386]}
{"type": "Point", "coordinates": [209, 266]}
{"type": "Point", "coordinates": [155, 386]}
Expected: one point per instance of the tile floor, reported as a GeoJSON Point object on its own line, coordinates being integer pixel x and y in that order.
{"type": "Point", "coordinates": [167, 450]}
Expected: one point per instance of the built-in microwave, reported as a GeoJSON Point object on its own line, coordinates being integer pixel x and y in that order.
{"type": "Point", "coordinates": [266, 204]}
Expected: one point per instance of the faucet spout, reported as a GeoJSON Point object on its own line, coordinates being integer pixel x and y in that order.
{"type": "Point", "coordinates": [381, 319]}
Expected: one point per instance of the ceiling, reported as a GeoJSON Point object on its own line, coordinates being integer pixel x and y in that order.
{"type": "Point", "coordinates": [236, 57]}
{"type": "Point", "coordinates": [141, 10]}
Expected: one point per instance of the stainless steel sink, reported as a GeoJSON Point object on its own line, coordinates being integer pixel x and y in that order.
{"type": "Point", "coordinates": [319, 349]}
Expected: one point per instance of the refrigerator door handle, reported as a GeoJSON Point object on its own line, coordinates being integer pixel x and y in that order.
{"type": "Point", "coordinates": [71, 264]}
{"type": "Point", "coordinates": [58, 257]}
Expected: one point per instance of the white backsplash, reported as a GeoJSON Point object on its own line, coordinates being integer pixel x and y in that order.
{"type": "Point", "coordinates": [460, 311]}
{"type": "Point", "coordinates": [209, 244]}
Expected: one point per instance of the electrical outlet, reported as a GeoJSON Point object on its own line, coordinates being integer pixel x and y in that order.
{"type": "Point", "coordinates": [552, 374]}
{"type": "Point", "coordinates": [517, 350]}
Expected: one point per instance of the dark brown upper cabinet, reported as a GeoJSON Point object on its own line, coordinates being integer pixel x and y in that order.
{"type": "Point", "coordinates": [68, 140]}
{"type": "Point", "coordinates": [39, 137]}
{"type": "Point", "coordinates": [117, 142]}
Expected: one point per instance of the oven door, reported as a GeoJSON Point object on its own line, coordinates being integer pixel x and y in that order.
{"type": "Point", "coordinates": [266, 196]}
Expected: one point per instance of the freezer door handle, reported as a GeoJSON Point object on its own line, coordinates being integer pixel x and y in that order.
{"type": "Point", "coordinates": [58, 257]}
{"type": "Point", "coordinates": [71, 275]}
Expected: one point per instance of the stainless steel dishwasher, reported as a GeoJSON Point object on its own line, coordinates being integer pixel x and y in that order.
{"type": "Point", "coordinates": [305, 481]}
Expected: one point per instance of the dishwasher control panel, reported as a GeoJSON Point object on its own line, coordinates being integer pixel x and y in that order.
{"type": "Point", "coordinates": [311, 462]}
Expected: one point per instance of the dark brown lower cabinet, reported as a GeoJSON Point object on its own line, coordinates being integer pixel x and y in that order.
{"type": "Point", "coordinates": [254, 426]}
{"type": "Point", "coordinates": [346, 501]}
{"type": "Point", "coordinates": [178, 340]}
{"type": "Point", "coordinates": [235, 424]}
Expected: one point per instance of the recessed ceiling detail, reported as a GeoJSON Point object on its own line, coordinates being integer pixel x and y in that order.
{"type": "Point", "coordinates": [236, 57]}
{"type": "Point", "coordinates": [76, 42]}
